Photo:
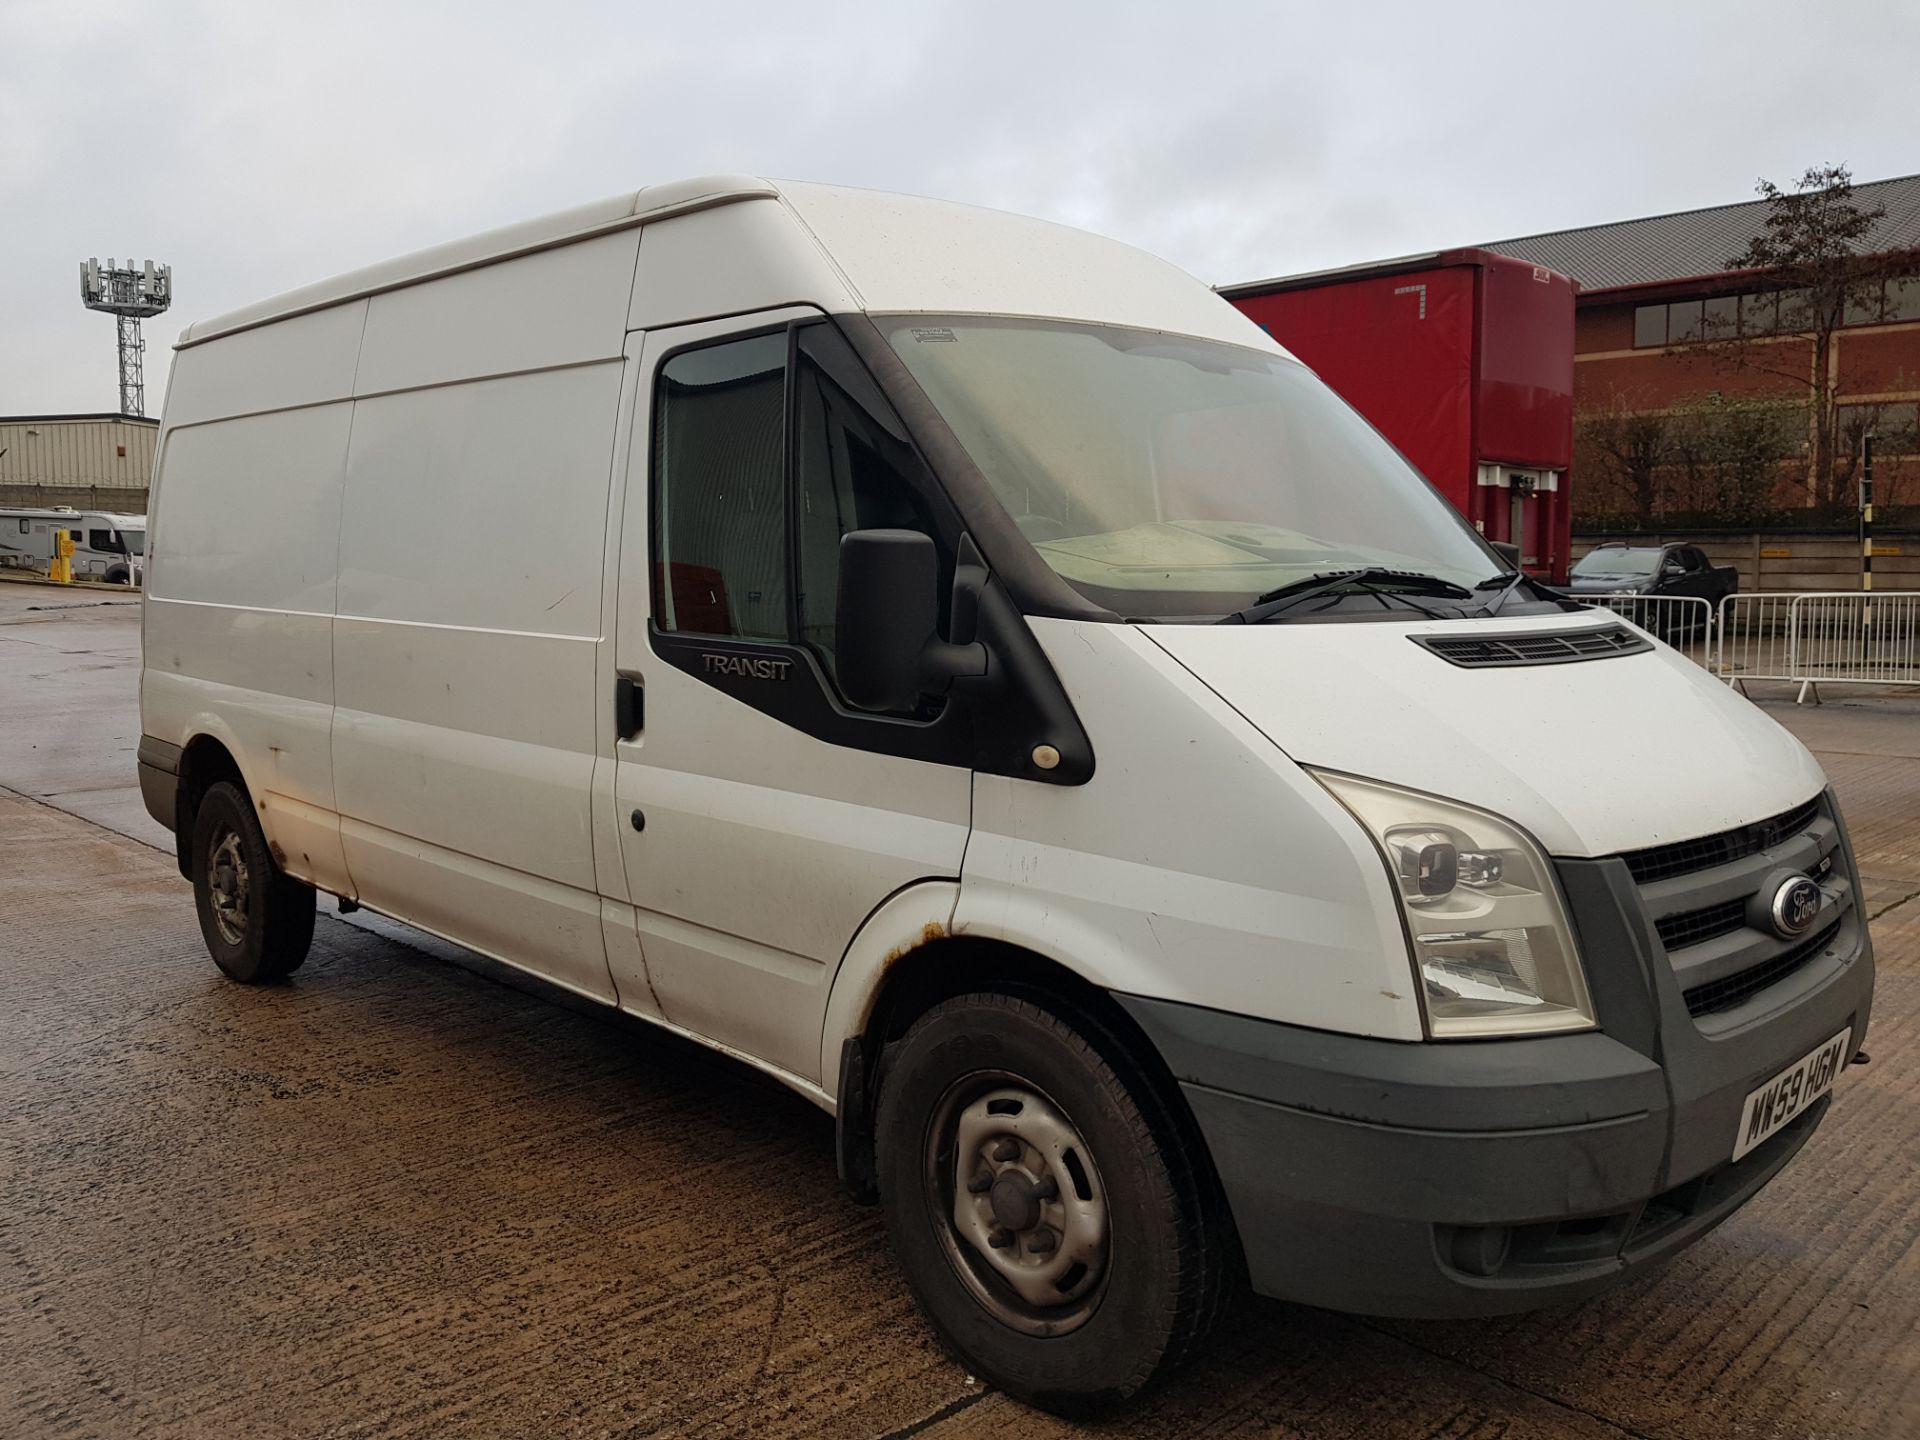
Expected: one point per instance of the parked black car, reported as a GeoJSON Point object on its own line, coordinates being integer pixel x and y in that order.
{"type": "Point", "coordinates": [1655, 570]}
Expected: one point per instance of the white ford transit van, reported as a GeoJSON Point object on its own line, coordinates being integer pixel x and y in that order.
{"type": "Point", "coordinates": [962, 667]}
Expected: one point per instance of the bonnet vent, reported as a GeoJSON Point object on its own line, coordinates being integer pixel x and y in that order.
{"type": "Point", "coordinates": [1541, 647]}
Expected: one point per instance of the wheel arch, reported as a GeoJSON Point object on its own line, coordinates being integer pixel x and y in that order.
{"type": "Point", "coordinates": [943, 965]}
{"type": "Point", "coordinates": [205, 761]}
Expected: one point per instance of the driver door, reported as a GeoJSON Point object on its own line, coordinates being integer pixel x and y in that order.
{"type": "Point", "coordinates": [761, 819]}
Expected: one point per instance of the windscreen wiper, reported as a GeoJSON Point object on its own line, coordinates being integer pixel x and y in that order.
{"type": "Point", "coordinates": [1505, 583]}
{"type": "Point", "coordinates": [1372, 579]}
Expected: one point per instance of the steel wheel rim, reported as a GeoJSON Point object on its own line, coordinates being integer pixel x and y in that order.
{"type": "Point", "coordinates": [229, 887]}
{"type": "Point", "coordinates": [1015, 1195]}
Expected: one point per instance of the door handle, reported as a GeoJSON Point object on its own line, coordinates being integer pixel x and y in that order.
{"type": "Point", "coordinates": [629, 705]}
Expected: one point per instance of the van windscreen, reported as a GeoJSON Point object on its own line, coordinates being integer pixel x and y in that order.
{"type": "Point", "coordinates": [1162, 475]}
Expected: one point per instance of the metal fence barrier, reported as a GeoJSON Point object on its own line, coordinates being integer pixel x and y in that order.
{"type": "Point", "coordinates": [1753, 638]}
{"type": "Point", "coordinates": [1686, 622]}
{"type": "Point", "coordinates": [1853, 637]}
{"type": "Point", "coordinates": [1808, 638]}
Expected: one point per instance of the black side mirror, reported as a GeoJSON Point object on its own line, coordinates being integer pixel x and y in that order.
{"type": "Point", "coordinates": [1507, 552]}
{"type": "Point", "coordinates": [886, 648]}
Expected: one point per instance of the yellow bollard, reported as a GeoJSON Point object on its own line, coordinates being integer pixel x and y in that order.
{"type": "Point", "coordinates": [62, 567]}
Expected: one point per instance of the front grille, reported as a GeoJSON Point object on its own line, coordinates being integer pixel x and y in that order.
{"type": "Point", "coordinates": [1658, 862]}
{"type": "Point", "coordinates": [1730, 990]}
{"type": "Point", "coordinates": [1539, 647]}
{"type": "Point", "coordinates": [1679, 931]}
{"type": "Point", "coordinates": [1700, 897]}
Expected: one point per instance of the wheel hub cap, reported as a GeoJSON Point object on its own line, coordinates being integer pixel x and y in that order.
{"type": "Point", "coordinates": [1015, 1205]}
{"type": "Point", "coordinates": [228, 887]}
{"type": "Point", "coordinates": [1028, 1210]}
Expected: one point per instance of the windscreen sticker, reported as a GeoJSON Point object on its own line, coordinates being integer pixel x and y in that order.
{"type": "Point", "coordinates": [934, 335]}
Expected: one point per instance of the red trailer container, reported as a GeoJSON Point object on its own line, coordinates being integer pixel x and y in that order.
{"type": "Point", "coordinates": [1463, 359]}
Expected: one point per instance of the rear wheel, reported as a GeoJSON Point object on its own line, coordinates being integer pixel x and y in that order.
{"type": "Point", "coordinates": [1050, 1214]}
{"type": "Point", "coordinates": [257, 921]}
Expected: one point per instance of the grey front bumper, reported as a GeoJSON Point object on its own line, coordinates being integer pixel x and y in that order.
{"type": "Point", "coordinates": [159, 778]}
{"type": "Point", "coordinates": [1476, 1178]}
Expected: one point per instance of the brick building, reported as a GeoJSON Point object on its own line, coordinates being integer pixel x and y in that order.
{"type": "Point", "coordinates": [1655, 295]}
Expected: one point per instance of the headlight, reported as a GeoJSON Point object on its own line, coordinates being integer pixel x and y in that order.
{"type": "Point", "coordinates": [1491, 944]}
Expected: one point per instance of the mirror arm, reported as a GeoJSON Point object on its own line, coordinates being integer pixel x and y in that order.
{"type": "Point", "coordinates": [943, 662]}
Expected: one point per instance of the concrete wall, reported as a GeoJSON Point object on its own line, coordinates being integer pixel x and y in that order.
{"type": "Point", "coordinates": [1805, 560]}
{"type": "Point", "coordinates": [80, 460]}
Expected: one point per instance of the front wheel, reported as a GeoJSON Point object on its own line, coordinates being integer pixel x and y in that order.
{"type": "Point", "coordinates": [1051, 1215]}
{"type": "Point", "coordinates": [256, 920]}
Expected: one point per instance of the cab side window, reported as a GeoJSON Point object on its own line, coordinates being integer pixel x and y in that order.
{"type": "Point", "coordinates": [852, 471]}
{"type": "Point", "coordinates": [719, 491]}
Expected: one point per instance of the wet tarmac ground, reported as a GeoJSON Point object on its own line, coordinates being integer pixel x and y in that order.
{"type": "Point", "coordinates": [411, 1193]}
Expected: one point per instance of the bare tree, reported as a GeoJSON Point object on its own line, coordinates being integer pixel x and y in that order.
{"type": "Point", "coordinates": [1809, 247]}
{"type": "Point", "coordinates": [1893, 427]}
{"type": "Point", "coordinates": [1624, 449]}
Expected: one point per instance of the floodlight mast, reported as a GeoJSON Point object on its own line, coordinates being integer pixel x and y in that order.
{"type": "Point", "coordinates": [131, 295]}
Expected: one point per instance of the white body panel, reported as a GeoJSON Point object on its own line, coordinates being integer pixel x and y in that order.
{"type": "Point", "coordinates": [464, 733]}
{"type": "Point", "coordinates": [237, 629]}
{"type": "Point", "coordinates": [309, 360]}
{"type": "Point", "coordinates": [903, 253]}
{"type": "Point", "coordinates": [1198, 864]}
{"type": "Point", "coordinates": [1593, 759]}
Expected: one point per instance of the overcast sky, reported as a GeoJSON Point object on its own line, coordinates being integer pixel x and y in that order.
{"type": "Point", "coordinates": [257, 145]}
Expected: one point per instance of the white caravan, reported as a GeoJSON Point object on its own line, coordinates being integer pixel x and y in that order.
{"type": "Point", "coordinates": [107, 545]}
{"type": "Point", "coordinates": [964, 668]}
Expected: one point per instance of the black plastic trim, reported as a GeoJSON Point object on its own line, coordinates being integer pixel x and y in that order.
{"type": "Point", "coordinates": [1707, 852]}
{"type": "Point", "coordinates": [629, 706]}
{"type": "Point", "coordinates": [786, 682]}
{"type": "Point", "coordinates": [159, 771]}
{"type": "Point", "coordinates": [1514, 648]}
{"type": "Point", "coordinates": [160, 755]}
{"type": "Point", "coordinates": [992, 722]}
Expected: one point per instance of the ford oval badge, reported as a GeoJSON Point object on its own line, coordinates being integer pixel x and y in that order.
{"type": "Point", "coordinates": [1795, 904]}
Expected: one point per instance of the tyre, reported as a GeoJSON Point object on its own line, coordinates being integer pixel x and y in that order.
{"type": "Point", "coordinates": [117, 576]}
{"type": "Point", "coordinates": [257, 922]}
{"type": "Point", "coordinates": [1054, 1221]}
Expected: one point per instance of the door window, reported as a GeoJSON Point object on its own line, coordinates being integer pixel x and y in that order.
{"type": "Point", "coordinates": [737, 431]}
{"type": "Point", "coordinates": [852, 472]}
{"type": "Point", "coordinates": [719, 491]}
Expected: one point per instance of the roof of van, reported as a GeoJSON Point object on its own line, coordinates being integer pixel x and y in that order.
{"type": "Point", "coordinates": [893, 253]}
{"type": "Point", "coordinates": [616, 212]}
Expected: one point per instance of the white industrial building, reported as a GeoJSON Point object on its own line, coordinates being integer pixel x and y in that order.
{"type": "Point", "coordinates": [96, 462]}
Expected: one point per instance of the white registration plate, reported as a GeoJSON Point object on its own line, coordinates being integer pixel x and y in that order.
{"type": "Point", "coordinates": [1790, 1092]}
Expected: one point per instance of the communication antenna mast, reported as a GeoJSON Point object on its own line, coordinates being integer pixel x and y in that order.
{"type": "Point", "coordinates": [131, 295]}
